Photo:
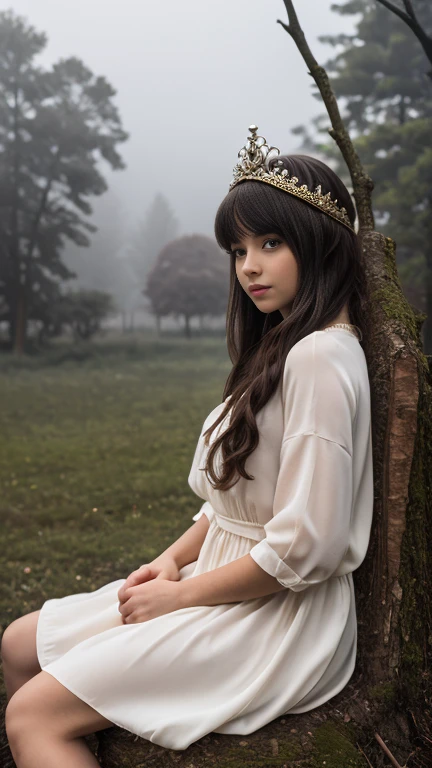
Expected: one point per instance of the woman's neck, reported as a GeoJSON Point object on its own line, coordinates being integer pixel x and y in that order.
{"type": "Point", "coordinates": [343, 316]}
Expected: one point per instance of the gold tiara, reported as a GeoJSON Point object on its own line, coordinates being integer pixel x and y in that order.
{"type": "Point", "coordinates": [255, 158]}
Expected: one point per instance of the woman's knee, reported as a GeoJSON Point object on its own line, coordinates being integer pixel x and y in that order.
{"type": "Point", "coordinates": [44, 703]}
{"type": "Point", "coordinates": [17, 715]}
{"type": "Point", "coordinates": [18, 645]}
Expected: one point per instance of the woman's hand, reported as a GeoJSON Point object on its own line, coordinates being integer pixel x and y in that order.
{"type": "Point", "coordinates": [148, 600]}
{"type": "Point", "coordinates": [162, 567]}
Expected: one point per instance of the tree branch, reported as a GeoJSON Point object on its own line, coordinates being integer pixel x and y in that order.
{"type": "Point", "coordinates": [413, 23]}
{"type": "Point", "coordinates": [394, 9]}
{"type": "Point", "coordinates": [409, 7]}
{"type": "Point", "coordinates": [362, 183]}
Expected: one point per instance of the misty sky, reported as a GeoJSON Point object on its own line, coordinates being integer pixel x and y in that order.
{"type": "Point", "coordinates": [190, 78]}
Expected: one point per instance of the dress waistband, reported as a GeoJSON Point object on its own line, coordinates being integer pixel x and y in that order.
{"type": "Point", "coordinates": [244, 528]}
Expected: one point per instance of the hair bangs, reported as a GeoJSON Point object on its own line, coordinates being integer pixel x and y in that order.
{"type": "Point", "coordinates": [248, 209]}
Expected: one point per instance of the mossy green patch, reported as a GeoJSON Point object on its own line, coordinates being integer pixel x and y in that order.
{"type": "Point", "coordinates": [384, 692]}
{"type": "Point", "coordinates": [388, 295]}
{"type": "Point", "coordinates": [334, 747]}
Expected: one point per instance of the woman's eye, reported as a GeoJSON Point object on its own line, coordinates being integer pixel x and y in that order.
{"type": "Point", "coordinates": [273, 240]}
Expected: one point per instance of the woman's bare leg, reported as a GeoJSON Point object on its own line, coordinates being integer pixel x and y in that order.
{"type": "Point", "coordinates": [18, 652]}
{"type": "Point", "coordinates": [45, 722]}
{"type": "Point", "coordinates": [45, 725]}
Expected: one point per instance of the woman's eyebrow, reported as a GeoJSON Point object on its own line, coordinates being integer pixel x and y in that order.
{"type": "Point", "coordinates": [256, 237]}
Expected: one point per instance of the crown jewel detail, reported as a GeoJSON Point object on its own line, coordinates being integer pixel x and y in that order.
{"type": "Point", "coordinates": [254, 164]}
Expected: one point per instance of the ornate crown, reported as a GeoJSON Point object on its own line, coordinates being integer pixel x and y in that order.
{"type": "Point", "coordinates": [255, 158]}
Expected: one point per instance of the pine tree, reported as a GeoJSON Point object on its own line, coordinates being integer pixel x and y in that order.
{"type": "Point", "coordinates": [158, 227]}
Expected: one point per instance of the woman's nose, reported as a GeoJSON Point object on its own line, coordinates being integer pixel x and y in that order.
{"type": "Point", "coordinates": [251, 264]}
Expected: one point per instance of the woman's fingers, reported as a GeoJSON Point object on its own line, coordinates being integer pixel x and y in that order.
{"type": "Point", "coordinates": [137, 577]}
{"type": "Point", "coordinates": [134, 578]}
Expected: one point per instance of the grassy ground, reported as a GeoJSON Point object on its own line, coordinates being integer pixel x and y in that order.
{"type": "Point", "coordinates": [95, 451]}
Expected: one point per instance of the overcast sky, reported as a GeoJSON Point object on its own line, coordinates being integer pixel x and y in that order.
{"type": "Point", "coordinates": [190, 78]}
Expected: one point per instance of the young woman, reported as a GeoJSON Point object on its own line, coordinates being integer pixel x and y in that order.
{"type": "Point", "coordinates": [250, 614]}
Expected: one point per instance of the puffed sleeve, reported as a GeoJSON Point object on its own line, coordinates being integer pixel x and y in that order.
{"type": "Point", "coordinates": [207, 510]}
{"type": "Point", "coordinates": [308, 534]}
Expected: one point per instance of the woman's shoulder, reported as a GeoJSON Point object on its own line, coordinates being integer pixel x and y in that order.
{"type": "Point", "coordinates": [329, 364]}
{"type": "Point", "coordinates": [323, 349]}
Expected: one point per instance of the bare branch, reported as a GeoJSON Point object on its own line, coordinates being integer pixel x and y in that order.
{"type": "Point", "coordinates": [409, 7]}
{"type": "Point", "coordinates": [386, 750]}
{"type": "Point", "coordinates": [394, 9]}
{"type": "Point", "coordinates": [362, 183]}
{"type": "Point", "coordinates": [413, 23]}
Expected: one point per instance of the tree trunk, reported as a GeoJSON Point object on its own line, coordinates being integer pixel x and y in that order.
{"type": "Point", "coordinates": [428, 323]}
{"type": "Point", "coordinates": [20, 324]}
{"type": "Point", "coordinates": [394, 583]}
{"type": "Point", "coordinates": [384, 706]}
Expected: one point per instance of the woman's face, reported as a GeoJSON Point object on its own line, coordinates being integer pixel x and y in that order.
{"type": "Point", "coordinates": [267, 260]}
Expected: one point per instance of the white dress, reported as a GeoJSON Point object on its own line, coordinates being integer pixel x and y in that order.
{"type": "Point", "coordinates": [305, 519]}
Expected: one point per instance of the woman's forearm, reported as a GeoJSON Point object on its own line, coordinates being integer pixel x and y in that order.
{"type": "Point", "coordinates": [242, 579]}
{"type": "Point", "coordinates": [187, 548]}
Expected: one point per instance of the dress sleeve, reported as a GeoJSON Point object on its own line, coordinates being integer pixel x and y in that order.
{"type": "Point", "coordinates": [207, 510]}
{"type": "Point", "coordinates": [308, 534]}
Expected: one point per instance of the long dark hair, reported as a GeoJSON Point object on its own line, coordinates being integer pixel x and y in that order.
{"type": "Point", "coordinates": [331, 273]}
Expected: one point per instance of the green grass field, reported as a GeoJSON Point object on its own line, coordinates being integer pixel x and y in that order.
{"type": "Point", "coordinates": [95, 451]}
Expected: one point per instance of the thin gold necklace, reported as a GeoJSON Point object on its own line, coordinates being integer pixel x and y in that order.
{"type": "Point", "coordinates": [348, 326]}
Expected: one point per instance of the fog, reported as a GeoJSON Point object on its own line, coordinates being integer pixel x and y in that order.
{"type": "Point", "coordinates": [190, 78]}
